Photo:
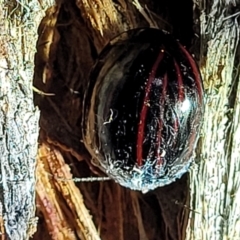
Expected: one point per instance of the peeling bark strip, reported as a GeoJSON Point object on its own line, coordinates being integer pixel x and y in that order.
{"type": "Point", "coordinates": [215, 183]}
{"type": "Point", "coordinates": [18, 122]}
{"type": "Point", "coordinates": [69, 218]}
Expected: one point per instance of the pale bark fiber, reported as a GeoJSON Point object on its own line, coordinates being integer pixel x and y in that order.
{"type": "Point", "coordinates": [215, 181]}
{"type": "Point", "coordinates": [18, 122]}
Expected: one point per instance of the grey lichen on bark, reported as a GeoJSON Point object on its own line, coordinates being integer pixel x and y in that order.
{"type": "Point", "coordinates": [215, 185]}
{"type": "Point", "coordinates": [18, 144]}
{"type": "Point", "coordinates": [18, 118]}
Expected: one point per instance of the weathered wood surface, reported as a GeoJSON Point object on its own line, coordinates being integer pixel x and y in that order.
{"type": "Point", "coordinates": [215, 180]}
{"type": "Point", "coordinates": [18, 122]}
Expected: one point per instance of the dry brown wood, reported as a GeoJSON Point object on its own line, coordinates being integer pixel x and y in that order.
{"type": "Point", "coordinates": [67, 218]}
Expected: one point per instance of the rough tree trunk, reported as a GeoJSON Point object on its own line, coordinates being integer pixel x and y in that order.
{"type": "Point", "coordinates": [18, 122]}
{"type": "Point", "coordinates": [69, 38]}
{"type": "Point", "coordinates": [215, 182]}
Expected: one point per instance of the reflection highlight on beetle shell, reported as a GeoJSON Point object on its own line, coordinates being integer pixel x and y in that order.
{"type": "Point", "coordinates": [142, 109]}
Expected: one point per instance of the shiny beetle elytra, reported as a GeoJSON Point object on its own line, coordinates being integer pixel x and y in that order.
{"type": "Point", "coordinates": [142, 109]}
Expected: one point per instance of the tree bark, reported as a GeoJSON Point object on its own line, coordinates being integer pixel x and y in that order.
{"type": "Point", "coordinates": [215, 179]}
{"type": "Point", "coordinates": [18, 121]}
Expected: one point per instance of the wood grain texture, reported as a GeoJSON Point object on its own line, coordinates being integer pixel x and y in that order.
{"type": "Point", "coordinates": [18, 123]}
{"type": "Point", "coordinates": [215, 180]}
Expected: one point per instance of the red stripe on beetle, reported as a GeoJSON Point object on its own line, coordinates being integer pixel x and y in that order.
{"type": "Point", "coordinates": [180, 81]}
{"type": "Point", "coordinates": [145, 108]}
{"type": "Point", "coordinates": [176, 125]}
{"type": "Point", "coordinates": [195, 71]}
